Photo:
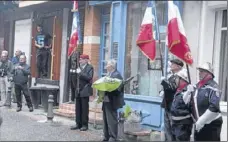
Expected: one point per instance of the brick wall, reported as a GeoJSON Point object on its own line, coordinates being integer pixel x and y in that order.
{"type": "Point", "coordinates": [92, 29]}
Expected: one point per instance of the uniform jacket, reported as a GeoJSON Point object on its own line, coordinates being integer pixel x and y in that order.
{"type": "Point", "coordinates": [178, 107]}
{"type": "Point", "coordinates": [169, 87]}
{"type": "Point", "coordinates": [85, 81]}
{"type": "Point", "coordinates": [208, 97]}
{"type": "Point", "coordinates": [116, 98]}
{"type": "Point", "coordinates": [20, 76]}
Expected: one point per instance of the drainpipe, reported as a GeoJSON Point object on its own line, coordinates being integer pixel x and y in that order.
{"type": "Point", "coordinates": [202, 33]}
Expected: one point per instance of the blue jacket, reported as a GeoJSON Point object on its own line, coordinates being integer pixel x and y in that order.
{"type": "Point", "coordinates": [15, 60]}
{"type": "Point", "coordinates": [179, 108]}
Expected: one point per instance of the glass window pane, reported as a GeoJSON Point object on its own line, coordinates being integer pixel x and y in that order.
{"type": "Point", "coordinates": [224, 18]}
{"type": "Point", "coordinates": [148, 81]}
{"type": "Point", "coordinates": [107, 28]}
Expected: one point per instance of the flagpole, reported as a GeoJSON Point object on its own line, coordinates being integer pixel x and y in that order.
{"type": "Point", "coordinates": [158, 35]}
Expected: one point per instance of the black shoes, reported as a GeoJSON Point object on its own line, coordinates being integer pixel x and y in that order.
{"type": "Point", "coordinates": [77, 127]}
{"type": "Point", "coordinates": [18, 109]}
{"type": "Point", "coordinates": [84, 128]}
{"type": "Point", "coordinates": [31, 109]}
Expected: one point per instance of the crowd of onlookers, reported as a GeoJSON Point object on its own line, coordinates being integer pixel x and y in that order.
{"type": "Point", "coordinates": [14, 74]}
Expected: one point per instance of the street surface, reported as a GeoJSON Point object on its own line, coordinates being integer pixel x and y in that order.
{"type": "Point", "coordinates": [25, 126]}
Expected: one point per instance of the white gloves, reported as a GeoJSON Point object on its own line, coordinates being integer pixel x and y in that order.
{"type": "Point", "coordinates": [190, 88]}
{"type": "Point", "coordinates": [206, 118]}
{"type": "Point", "coordinates": [162, 78]}
{"type": "Point", "coordinates": [161, 94]}
{"type": "Point", "coordinates": [78, 70]}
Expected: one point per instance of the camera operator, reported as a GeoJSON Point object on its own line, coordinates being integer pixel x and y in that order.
{"type": "Point", "coordinates": [5, 79]}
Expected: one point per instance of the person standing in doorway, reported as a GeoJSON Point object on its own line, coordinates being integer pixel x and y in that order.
{"type": "Point", "coordinates": [6, 67]}
{"type": "Point", "coordinates": [21, 72]}
{"type": "Point", "coordinates": [169, 89]}
{"type": "Point", "coordinates": [111, 103]}
{"type": "Point", "coordinates": [43, 45]}
{"type": "Point", "coordinates": [85, 74]}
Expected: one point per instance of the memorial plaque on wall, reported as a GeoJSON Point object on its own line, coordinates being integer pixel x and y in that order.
{"type": "Point", "coordinates": [115, 50]}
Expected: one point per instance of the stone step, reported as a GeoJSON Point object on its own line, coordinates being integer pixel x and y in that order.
{"type": "Point", "coordinates": [71, 107]}
{"type": "Point", "coordinates": [98, 119]}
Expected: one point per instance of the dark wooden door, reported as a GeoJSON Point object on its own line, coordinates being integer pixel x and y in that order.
{"type": "Point", "coordinates": [53, 26]}
{"type": "Point", "coordinates": [56, 48]}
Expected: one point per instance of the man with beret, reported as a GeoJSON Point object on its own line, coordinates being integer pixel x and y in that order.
{"type": "Point", "coordinates": [169, 90]}
{"type": "Point", "coordinates": [85, 74]}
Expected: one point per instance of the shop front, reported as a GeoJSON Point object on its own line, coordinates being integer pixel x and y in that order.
{"type": "Point", "coordinates": [119, 30]}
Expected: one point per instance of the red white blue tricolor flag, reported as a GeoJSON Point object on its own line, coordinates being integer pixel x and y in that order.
{"type": "Point", "coordinates": [176, 38]}
{"type": "Point", "coordinates": [147, 35]}
{"type": "Point", "coordinates": [75, 31]}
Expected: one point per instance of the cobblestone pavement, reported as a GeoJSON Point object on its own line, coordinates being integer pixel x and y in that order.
{"type": "Point", "coordinates": [26, 126]}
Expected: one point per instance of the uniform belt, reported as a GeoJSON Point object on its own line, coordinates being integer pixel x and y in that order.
{"type": "Point", "coordinates": [180, 117]}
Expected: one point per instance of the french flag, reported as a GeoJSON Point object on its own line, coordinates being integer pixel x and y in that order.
{"type": "Point", "coordinates": [146, 37]}
{"type": "Point", "coordinates": [176, 38]}
{"type": "Point", "coordinates": [74, 38]}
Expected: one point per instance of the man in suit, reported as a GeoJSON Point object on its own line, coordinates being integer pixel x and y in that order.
{"type": "Point", "coordinates": [112, 102]}
{"type": "Point", "coordinates": [85, 74]}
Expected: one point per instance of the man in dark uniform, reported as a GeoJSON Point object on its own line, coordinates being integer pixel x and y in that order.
{"type": "Point", "coordinates": [43, 45]}
{"type": "Point", "coordinates": [169, 89]}
{"type": "Point", "coordinates": [111, 103]}
{"type": "Point", "coordinates": [181, 108]}
{"type": "Point", "coordinates": [21, 72]}
{"type": "Point", "coordinates": [85, 73]}
{"type": "Point", "coordinates": [207, 97]}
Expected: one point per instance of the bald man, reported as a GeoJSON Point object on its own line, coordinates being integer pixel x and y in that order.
{"type": "Point", "coordinates": [15, 59]}
{"type": "Point", "coordinates": [21, 72]}
{"type": "Point", "coordinates": [6, 67]}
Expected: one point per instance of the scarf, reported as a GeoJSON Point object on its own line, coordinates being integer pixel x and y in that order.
{"type": "Point", "coordinates": [181, 86]}
{"type": "Point", "coordinates": [204, 81]}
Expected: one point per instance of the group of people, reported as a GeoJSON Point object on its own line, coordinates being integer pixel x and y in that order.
{"type": "Point", "coordinates": [190, 106]}
{"type": "Point", "coordinates": [112, 100]}
{"type": "Point", "coordinates": [14, 75]}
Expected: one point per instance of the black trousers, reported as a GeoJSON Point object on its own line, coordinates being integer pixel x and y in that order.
{"type": "Point", "coordinates": [73, 91]}
{"type": "Point", "coordinates": [82, 111]}
{"type": "Point", "coordinates": [24, 89]}
{"type": "Point", "coordinates": [182, 130]}
{"type": "Point", "coordinates": [42, 63]}
{"type": "Point", "coordinates": [210, 132]}
{"type": "Point", "coordinates": [110, 118]}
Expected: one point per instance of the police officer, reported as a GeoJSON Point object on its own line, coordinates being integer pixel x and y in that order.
{"type": "Point", "coordinates": [181, 108]}
{"type": "Point", "coordinates": [169, 89]}
{"type": "Point", "coordinates": [21, 72]}
{"type": "Point", "coordinates": [5, 78]}
{"type": "Point", "coordinates": [207, 109]}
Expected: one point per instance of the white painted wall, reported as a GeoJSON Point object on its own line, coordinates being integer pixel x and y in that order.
{"type": "Point", "coordinates": [22, 37]}
{"type": "Point", "coordinates": [199, 22]}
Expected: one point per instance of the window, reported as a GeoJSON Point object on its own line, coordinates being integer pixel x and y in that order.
{"type": "Point", "coordinates": [223, 57]}
{"type": "Point", "coordinates": [147, 82]}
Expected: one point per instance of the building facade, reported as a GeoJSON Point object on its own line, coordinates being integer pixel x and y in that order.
{"type": "Point", "coordinates": [119, 22]}
{"type": "Point", "coordinates": [110, 30]}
